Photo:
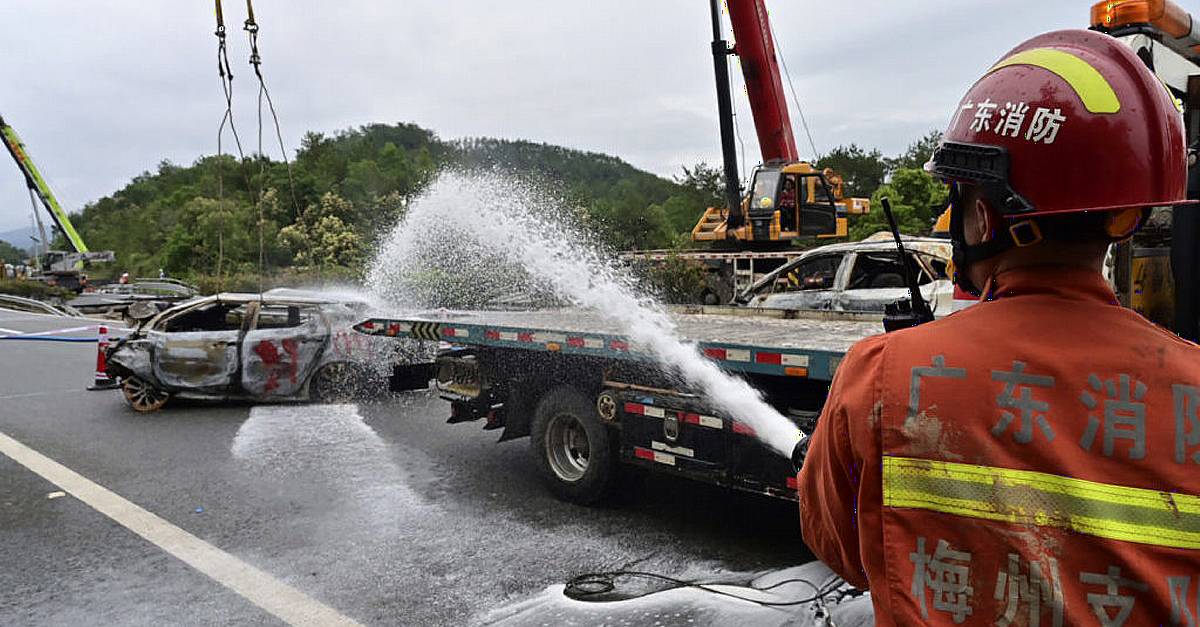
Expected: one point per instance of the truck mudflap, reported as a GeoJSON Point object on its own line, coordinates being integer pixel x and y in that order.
{"type": "Point", "coordinates": [678, 435]}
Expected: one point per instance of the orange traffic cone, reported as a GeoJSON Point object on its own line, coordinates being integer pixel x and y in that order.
{"type": "Point", "coordinates": [102, 380]}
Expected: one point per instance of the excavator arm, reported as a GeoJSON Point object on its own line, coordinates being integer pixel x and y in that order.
{"type": "Point", "coordinates": [33, 178]}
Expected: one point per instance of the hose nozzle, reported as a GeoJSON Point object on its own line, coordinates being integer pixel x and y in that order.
{"type": "Point", "coordinates": [800, 450]}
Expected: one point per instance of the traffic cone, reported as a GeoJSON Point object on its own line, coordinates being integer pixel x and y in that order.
{"type": "Point", "coordinates": [102, 380]}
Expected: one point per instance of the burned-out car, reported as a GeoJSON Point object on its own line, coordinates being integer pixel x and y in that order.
{"type": "Point", "coordinates": [857, 276]}
{"type": "Point", "coordinates": [283, 345]}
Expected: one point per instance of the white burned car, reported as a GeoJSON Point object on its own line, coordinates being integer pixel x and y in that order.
{"type": "Point", "coordinates": [857, 276]}
{"type": "Point", "coordinates": [283, 345]}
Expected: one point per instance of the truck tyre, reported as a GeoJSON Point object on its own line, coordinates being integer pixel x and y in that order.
{"type": "Point", "coordinates": [574, 452]}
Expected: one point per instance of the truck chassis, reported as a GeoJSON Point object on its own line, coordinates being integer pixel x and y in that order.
{"type": "Point", "coordinates": [597, 406]}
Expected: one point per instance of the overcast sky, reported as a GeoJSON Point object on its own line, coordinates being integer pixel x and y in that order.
{"type": "Point", "coordinates": [103, 91]}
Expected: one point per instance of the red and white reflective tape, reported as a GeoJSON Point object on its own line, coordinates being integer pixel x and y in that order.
{"type": "Point", "coordinates": [552, 340]}
{"type": "Point", "coordinates": [585, 342]}
{"type": "Point", "coordinates": [456, 332]}
{"type": "Point", "coordinates": [711, 422]}
{"type": "Point", "coordinates": [728, 354]}
{"type": "Point", "coordinates": [654, 456]}
{"type": "Point", "coordinates": [618, 345]}
{"type": "Point", "coordinates": [782, 359]}
{"type": "Point", "coordinates": [396, 328]}
{"type": "Point", "coordinates": [645, 410]}
{"type": "Point", "coordinates": [793, 365]}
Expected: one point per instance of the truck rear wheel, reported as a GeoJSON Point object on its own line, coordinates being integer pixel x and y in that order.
{"type": "Point", "coordinates": [575, 453]}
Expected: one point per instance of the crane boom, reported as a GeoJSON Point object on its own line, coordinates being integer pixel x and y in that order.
{"type": "Point", "coordinates": [788, 198]}
{"type": "Point", "coordinates": [755, 46]}
{"type": "Point", "coordinates": [33, 178]}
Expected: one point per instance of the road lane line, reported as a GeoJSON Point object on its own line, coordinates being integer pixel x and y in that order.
{"type": "Point", "coordinates": [7, 397]}
{"type": "Point", "coordinates": [260, 588]}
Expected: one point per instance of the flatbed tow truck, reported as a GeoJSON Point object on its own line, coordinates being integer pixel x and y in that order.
{"type": "Point", "coordinates": [594, 402]}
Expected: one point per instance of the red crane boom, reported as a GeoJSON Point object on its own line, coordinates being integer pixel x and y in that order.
{"type": "Point", "coordinates": [760, 67]}
{"type": "Point", "coordinates": [787, 198]}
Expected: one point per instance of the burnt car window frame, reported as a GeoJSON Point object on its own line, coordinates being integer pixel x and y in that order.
{"type": "Point", "coordinates": [314, 312]}
{"type": "Point", "coordinates": [780, 279]}
{"type": "Point", "coordinates": [889, 256]}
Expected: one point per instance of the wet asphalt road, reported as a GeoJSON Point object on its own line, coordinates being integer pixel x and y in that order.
{"type": "Point", "coordinates": [379, 510]}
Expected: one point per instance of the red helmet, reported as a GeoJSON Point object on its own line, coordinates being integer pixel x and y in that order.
{"type": "Point", "coordinates": [1068, 121]}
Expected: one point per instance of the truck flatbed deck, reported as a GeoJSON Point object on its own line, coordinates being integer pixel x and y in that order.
{"type": "Point", "coordinates": [790, 343]}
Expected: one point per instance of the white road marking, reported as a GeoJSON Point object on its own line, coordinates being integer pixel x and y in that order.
{"type": "Point", "coordinates": [10, 331]}
{"type": "Point", "coordinates": [260, 588]}
{"type": "Point", "coordinates": [37, 394]}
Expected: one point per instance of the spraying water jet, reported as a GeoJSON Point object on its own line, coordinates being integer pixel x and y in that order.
{"type": "Point", "coordinates": [510, 240]}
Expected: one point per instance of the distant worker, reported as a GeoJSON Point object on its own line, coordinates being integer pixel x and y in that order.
{"type": "Point", "coordinates": [787, 204]}
{"type": "Point", "coordinates": [1032, 459]}
{"type": "Point", "coordinates": [124, 280]}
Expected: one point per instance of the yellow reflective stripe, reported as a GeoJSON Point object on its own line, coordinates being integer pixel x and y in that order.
{"type": "Point", "coordinates": [1026, 497]}
{"type": "Point", "coordinates": [1092, 88]}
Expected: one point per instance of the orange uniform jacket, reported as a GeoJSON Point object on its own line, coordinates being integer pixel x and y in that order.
{"type": "Point", "coordinates": [1031, 460]}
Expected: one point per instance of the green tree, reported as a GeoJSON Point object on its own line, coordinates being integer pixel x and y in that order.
{"type": "Point", "coordinates": [917, 199]}
{"type": "Point", "coordinates": [11, 254]}
{"type": "Point", "coordinates": [324, 237]}
{"type": "Point", "coordinates": [862, 170]}
{"type": "Point", "coordinates": [707, 181]}
{"type": "Point", "coordinates": [917, 154]}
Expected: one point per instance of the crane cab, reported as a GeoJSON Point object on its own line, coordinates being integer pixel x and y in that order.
{"type": "Point", "coordinates": [786, 201]}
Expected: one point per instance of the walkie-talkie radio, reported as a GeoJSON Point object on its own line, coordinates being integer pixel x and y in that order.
{"type": "Point", "coordinates": [911, 311]}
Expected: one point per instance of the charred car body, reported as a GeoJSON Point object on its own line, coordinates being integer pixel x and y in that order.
{"type": "Point", "coordinates": [858, 276]}
{"type": "Point", "coordinates": [282, 345]}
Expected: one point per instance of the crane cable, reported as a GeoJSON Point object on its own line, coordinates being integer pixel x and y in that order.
{"type": "Point", "coordinates": [251, 28]}
{"type": "Point", "coordinates": [226, 74]}
{"type": "Point", "coordinates": [795, 98]}
{"type": "Point", "coordinates": [41, 228]}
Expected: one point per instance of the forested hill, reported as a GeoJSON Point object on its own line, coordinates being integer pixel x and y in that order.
{"type": "Point", "coordinates": [201, 220]}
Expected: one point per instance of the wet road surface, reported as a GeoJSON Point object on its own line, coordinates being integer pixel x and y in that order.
{"type": "Point", "coordinates": [378, 512]}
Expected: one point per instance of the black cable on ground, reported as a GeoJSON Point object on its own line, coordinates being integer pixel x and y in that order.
{"type": "Point", "coordinates": [593, 584]}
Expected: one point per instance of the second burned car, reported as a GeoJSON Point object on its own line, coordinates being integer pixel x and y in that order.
{"type": "Point", "coordinates": [857, 276]}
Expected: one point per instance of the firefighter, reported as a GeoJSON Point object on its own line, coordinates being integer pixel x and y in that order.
{"type": "Point", "coordinates": [1032, 459]}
